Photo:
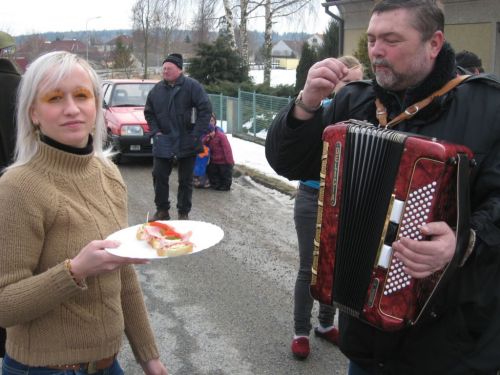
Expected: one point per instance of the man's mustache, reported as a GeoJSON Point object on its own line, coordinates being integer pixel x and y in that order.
{"type": "Point", "coordinates": [382, 63]}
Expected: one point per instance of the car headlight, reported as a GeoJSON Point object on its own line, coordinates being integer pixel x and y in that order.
{"type": "Point", "coordinates": [131, 130]}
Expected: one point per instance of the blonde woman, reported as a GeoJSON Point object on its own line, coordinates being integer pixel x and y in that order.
{"type": "Point", "coordinates": [66, 302]}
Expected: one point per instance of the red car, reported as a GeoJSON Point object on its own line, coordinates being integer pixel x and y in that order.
{"type": "Point", "coordinates": [128, 131]}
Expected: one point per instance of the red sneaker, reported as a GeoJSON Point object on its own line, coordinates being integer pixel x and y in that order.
{"type": "Point", "coordinates": [300, 347]}
{"type": "Point", "coordinates": [331, 335]}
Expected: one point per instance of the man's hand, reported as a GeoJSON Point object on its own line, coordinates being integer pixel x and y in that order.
{"type": "Point", "coordinates": [423, 258]}
{"type": "Point", "coordinates": [321, 80]}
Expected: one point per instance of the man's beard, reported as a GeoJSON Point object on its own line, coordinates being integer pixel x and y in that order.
{"type": "Point", "coordinates": [391, 80]}
{"type": "Point", "coordinates": [386, 78]}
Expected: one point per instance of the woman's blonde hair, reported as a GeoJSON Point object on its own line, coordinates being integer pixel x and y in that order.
{"type": "Point", "coordinates": [52, 67]}
{"type": "Point", "coordinates": [351, 62]}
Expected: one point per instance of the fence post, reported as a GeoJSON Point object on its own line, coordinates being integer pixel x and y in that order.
{"type": "Point", "coordinates": [239, 111]}
{"type": "Point", "coordinates": [219, 115]}
{"type": "Point", "coordinates": [254, 110]}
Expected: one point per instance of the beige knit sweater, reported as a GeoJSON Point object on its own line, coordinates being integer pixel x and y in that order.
{"type": "Point", "coordinates": [50, 209]}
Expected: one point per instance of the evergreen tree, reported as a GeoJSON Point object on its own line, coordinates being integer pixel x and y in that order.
{"type": "Point", "coordinates": [308, 58]}
{"type": "Point", "coordinates": [330, 46]}
{"type": "Point", "coordinates": [217, 62]}
{"type": "Point", "coordinates": [362, 55]}
{"type": "Point", "coordinates": [122, 57]}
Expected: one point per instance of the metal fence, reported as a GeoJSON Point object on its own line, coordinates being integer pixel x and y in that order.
{"type": "Point", "coordinates": [249, 115]}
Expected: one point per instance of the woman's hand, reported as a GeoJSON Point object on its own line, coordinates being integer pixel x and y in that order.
{"type": "Point", "coordinates": [93, 260]}
{"type": "Point", "coordinates": [154, 367]}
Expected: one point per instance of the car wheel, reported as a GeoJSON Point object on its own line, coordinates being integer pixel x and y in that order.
{"type": "Point", "coordinates": [117, 157]}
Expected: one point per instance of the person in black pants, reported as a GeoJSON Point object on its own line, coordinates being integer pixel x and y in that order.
{"type": "Point", "coordinates": [220, 167]}
{"type": "Point", "coordinates": [178, 112]}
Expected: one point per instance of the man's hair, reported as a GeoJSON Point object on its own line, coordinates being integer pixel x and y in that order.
{"type": "Point", "coordinates": [428, 15]}
{"type": "Point", "coordinates": [469, 60]}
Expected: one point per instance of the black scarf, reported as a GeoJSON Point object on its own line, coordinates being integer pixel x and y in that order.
{"type": "Point", "coordinates": [444, 70]}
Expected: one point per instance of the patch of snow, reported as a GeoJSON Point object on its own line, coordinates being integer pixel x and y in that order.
{"type": "Point", "coordinates": [278, 76]}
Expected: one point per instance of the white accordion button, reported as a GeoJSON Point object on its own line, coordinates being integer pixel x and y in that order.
{"type": "Point", "coordinates": [385, 257]}
{"type": "Point", "coordinates": [397, 211]}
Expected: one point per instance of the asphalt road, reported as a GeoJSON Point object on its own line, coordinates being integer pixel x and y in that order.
{"type": "Point", "coordinates": [228, 309]}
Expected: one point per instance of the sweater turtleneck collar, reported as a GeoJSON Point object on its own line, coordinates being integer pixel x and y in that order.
{"type": "Point", "coordinates": [88, 149]}
{"type": "Point", "coordinates": [57, 158]}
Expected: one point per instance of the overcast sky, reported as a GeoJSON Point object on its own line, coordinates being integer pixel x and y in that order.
{"type": "Point", "coordinates": [19, 17]}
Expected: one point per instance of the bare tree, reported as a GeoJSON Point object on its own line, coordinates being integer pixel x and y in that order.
{"type": "Point", "coordinates": [241, 10]}
{"type": "Point", "coordinates": [32, 47]}
{"type": "Point", "coordinates": [144, 16]}
{"type": "Point", "coordinates": [204, 21]}
{"type": "Point", "coordinates": [247, 8]}
{"type": "Point", "coordinates": [268, 43]}
{"type": "Point", "coordinates": [277, 9]}
{"type": "Point", "coordinates": [244, 13]}
{"type": "Point", "coordinates": [122, 57]}
{"type": "Point", "coordinates": [169, 20]}
{"type": "Point", "coordinates": [229, 22]}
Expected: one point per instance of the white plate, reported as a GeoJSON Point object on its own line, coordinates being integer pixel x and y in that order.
{"type": "Point", "coordinates": [204, 235]}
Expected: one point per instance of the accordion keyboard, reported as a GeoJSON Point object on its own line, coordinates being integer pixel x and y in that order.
{"type": "Point", "coordinates": [415, 215]}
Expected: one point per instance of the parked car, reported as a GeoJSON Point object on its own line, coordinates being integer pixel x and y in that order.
{"type": "Point", "coordinates": [128, 131]}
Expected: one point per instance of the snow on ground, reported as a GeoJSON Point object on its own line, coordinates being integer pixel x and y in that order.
{"type": "Point", "coordinates": [278, 76]}
{"type": "Point", "coordinates": [253, 156]}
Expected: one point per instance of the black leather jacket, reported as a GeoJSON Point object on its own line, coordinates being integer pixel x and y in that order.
{"type": "Point", "coordinates": [463, 335]}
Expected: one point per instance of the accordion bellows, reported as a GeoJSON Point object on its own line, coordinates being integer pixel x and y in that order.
{"type": "Point", "coordinates": [376, 186]}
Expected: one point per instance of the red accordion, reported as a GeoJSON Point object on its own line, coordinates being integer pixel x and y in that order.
{"type": "Point", "coordinates": [378, 185]}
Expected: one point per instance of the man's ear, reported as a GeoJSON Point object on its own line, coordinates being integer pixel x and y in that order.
{"type": "Point", "coordinates": [436, 43]}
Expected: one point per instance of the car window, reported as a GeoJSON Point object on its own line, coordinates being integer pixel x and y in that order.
{"type": "Point", "coordinates": [106, 89]}
{"type": "Point", "coordinates": [130, 94]}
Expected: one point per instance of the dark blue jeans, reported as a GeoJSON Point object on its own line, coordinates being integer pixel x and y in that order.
{"type": "Point", "coordinates": [162, 168]}
{"type": "Point", "coordinates": [12, 367]}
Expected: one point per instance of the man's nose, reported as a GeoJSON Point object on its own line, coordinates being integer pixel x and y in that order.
{"type": "Point", "coordinates": [376, 49]}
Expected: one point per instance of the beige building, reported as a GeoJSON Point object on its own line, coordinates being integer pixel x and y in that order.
{"type": "Point", "coordinates": [473, 25]}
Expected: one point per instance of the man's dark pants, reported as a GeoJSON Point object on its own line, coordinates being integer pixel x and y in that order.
{"type": "Point", "coordinates": [162, 168]}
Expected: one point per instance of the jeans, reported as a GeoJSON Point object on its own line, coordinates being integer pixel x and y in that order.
{"type": "Point", "coordinates": [12, 367]}
{"type": "Point", "coordinates": [305, 215]}
{"type": "Point", "coordinates": [162, 168]}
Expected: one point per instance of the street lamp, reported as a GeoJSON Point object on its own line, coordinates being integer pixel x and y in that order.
{"type": "Point", "coordinates": [87, 32]}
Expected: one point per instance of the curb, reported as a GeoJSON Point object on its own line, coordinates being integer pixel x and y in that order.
{"type": "Point", "coordinates": [267, 181]}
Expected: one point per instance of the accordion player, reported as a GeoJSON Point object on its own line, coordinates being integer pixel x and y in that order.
{"type": "Point", "coordinates": [378, 185]}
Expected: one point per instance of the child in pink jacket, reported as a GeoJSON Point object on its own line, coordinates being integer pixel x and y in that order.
{"type": "Point", "coordinates": [220, 167]}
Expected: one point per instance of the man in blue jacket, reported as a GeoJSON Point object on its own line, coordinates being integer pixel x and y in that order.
{"type": "Point", "coordinates": [178, 113]}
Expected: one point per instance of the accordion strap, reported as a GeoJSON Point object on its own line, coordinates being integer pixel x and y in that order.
{"type": "Point", "coordinates": [414, 108]}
